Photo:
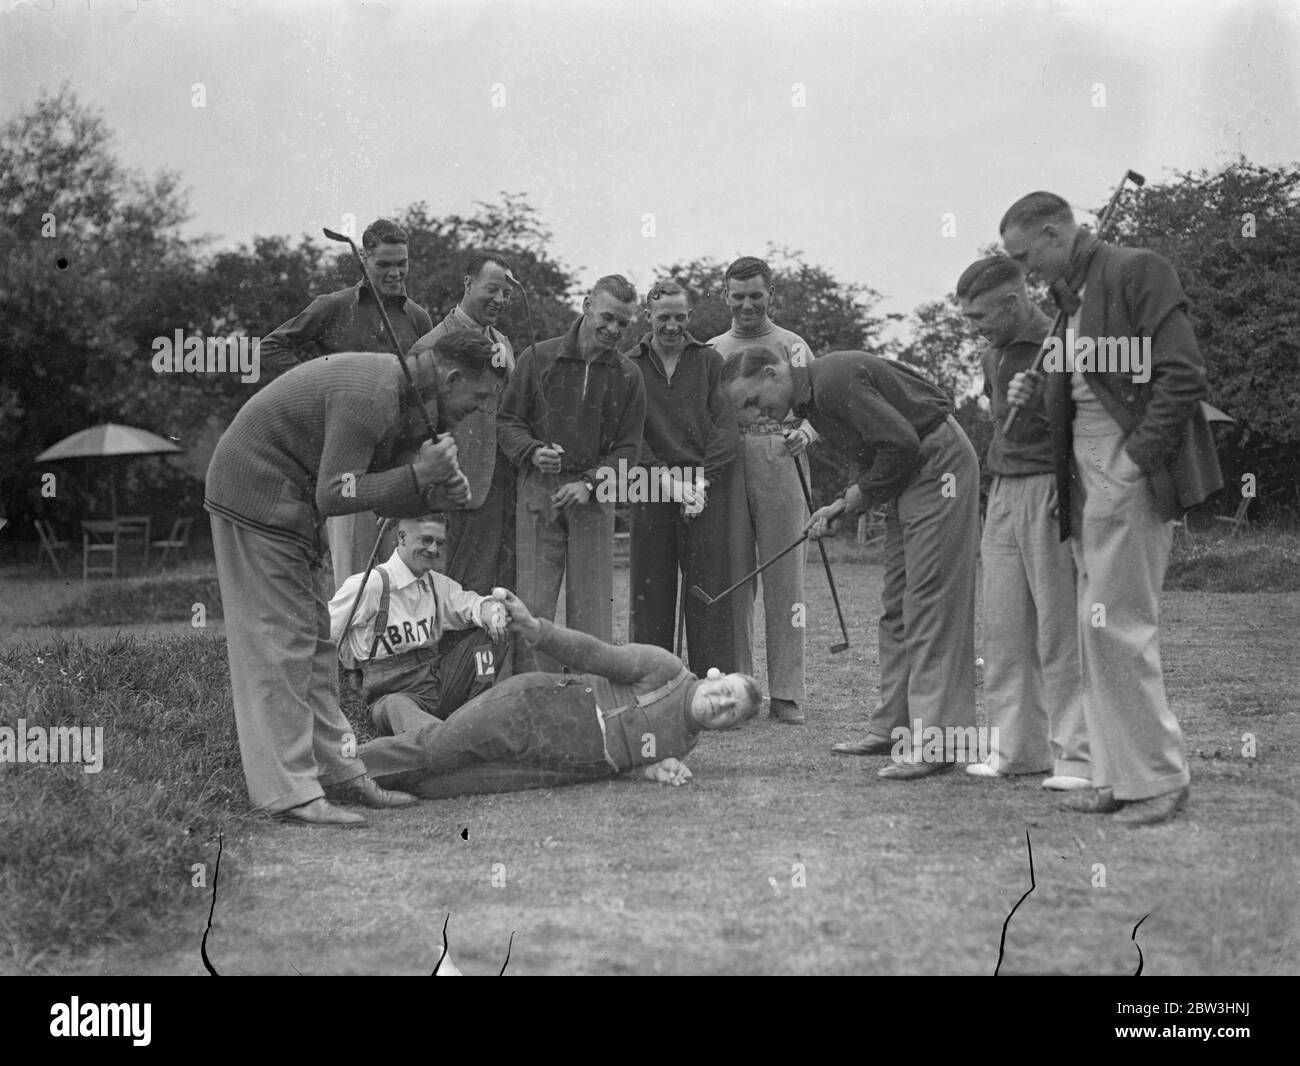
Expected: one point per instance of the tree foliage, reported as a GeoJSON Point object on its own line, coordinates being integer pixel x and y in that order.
{"type": "Point", "coordinates": [1233, 235]}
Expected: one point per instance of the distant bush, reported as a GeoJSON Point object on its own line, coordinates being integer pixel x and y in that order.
{"type": "Point", "coordinates": [1259, 560]}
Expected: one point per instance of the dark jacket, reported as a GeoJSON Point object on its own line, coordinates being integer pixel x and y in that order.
{"type": "Point", "coordinates": [875, 411]}
{"type": "Point", "coordinates": [688, 421]}
{"type": "Point", "coordinates": [595, 411]}
{"type": "Point", "coordinates": [343, 321]}
{"type": "Point", "coordinates": [1135, 293]}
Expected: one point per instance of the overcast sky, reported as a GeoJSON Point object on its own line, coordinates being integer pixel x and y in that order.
{"type": "Point", "coordinates": [685, 111]}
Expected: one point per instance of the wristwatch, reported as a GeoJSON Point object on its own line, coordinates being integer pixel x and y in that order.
{"type": "Point", "coordinates": [591, 488]}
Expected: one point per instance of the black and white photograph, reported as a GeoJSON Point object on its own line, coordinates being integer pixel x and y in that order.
{"type": "Point", "coordinates": [636, 487]}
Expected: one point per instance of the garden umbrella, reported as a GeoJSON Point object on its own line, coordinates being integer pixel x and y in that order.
{"type": "Point", "coordinates": [105, 442]}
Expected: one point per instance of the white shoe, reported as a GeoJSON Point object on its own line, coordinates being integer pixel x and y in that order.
{"type": "Point", "coordinates": [983, 769]}
{"type": "Point", "coordinates": [1065, 783]}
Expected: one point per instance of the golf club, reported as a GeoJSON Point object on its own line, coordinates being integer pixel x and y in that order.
{"type": "Point", "coordinates": [410, 381]}
{"type": "Point", "coordinates": [388, 328]}
{"type": "Point", "coordinates": [681, 610]}
{"type": "Point", "coordinates": [700, 594]}
{"type": "Point", "coordinates": [1138, 180]}
{"type": "Point", "coordinates": [830, 578]}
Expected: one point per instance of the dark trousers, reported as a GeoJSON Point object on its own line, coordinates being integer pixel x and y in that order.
{"type": "Point", "coordinates": [481, 543]}
{"type": "Point", "coordinates": [526, 732]}
{"type": "Point", "coordinates": [405, 691]}
{"type": "Point", "coordinates": [664, 541]}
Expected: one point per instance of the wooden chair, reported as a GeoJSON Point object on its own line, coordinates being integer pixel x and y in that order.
{"type": "Point", "coordinates": [1237, 521]}
{"type": "Point", "coordinates": [50, 545]}
{"type": "Point", "coordinates": [871, 526]}
{"type": "Point", "coordinates": [133, 528]}
{"type": "Point", "coordinates": [177, 541]}
{"type": "Point", "coordinates": [99, 539]}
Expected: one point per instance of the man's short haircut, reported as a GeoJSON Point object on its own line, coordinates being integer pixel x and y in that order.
{"type": "Point", "coordinates": [1034, 209]}
{"type": "Point", "coordinates": [382, 231]}
{"type": "Point", "coordinates": [746, 267]}
{"type": "Point", "coordinates": [477, 258]}
{"type": "Point", "coordinates": [667, 287]}
{"type": "Point", "coordinates": [753, 698]}
{"type": "Point", "coordinates": [617, 286]}
{"type": "Point", "coordinates": [748, 362]}
{"type": "Point", "coordinates": [419, 520]}
{"type": "Point", "coordinates": [470, 352]}
{"type": "Point", "coordinates": [985, 275]}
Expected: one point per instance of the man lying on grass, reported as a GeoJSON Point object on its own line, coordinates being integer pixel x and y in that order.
{"type": "Point", "coordinates": [625, 707]}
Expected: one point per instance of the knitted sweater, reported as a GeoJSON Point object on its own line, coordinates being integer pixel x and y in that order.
{"type": "Point", "coordinates": [320, 440]}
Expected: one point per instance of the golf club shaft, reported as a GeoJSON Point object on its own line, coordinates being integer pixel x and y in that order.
{"type": "Point", "coordinates": [365, 580]}
{"type": "Point", "coordinates": [388, 328]}
{"type": "Point", "coordinates": [830, 578]}
{"type": "Point", "coordinates": [681, 610]}
{"type": "Point", "coordinates": [1059, 320]}
{"type": "Point", "coordinates": [754, 573]}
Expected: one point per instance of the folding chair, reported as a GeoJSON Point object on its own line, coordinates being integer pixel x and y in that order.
{"type": "Point", "coordinates": [50, 545]}
{"type": "Point", "coordinates": [871, 525]}
{"type": "Point", "coordinates": [132, 529]}
{"type": "Point", "coordinates": [177, 541]}
{"type": "Point", "coordinates": [98, 539]}
{"type": "Point", "coordinates": [1237, 521]}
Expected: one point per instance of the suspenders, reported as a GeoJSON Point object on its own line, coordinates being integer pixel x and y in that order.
{"type": "Point", "coordinates": [381, 619]}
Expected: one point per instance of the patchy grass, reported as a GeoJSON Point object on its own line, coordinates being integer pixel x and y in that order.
{"type": "Point", "coordinates": [136, 601]}
{"type": "Point", "coordinates": [782, 858]}
{"type": "Point", "coordinates": [1258, 560]}
{"type": "Point", "coordinates": [95, 857]}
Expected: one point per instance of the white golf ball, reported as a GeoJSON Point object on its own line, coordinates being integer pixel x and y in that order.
{"type": "Point", "coordinates": [499, 593]}
{"type": "Point", "coordinates": [979, 663]}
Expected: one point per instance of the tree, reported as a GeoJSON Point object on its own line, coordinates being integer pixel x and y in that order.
{"type": "Point", "coordinates": [1234, 237]}
{"type": "Point", "coordinates": [91, 259]}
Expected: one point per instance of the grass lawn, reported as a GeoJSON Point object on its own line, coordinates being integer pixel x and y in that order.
{"type": "Point", "coordinates": [778, 858]}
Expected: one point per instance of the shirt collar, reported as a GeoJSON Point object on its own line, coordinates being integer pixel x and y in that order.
{"type": "Point", "coordinates": [645, 347]}
{"type": "Point", "coordinates": [363, 290]}
{"type": "Point", "coordinates": [569, 349]}
{"type": "Point", "coordinates": [464, 318]}
{"type": "Point", "coordinates": [399, 572]}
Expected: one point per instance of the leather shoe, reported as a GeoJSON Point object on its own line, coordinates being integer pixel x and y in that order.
{"type": "Point", "coordinates": [1090, 801]}
{"type": "Point", "coordinates": [1153, 810]}
{"type": "Point", "coordinates": [868, 745]}
{"type": "Point", "coordinates": [907, 770]}
{"type": "Point", "coordinates": [786, 711]}
{"type": "Point", "coordinates": [363, 790]}
{"type": "Point", "coordinates": [320, 812]}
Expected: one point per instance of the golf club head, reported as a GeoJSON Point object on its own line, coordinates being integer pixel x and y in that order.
{"type": "Point", "coordinates": [700, 594]}
{"type": "Point", "coordinates": [334, 236]}
{"type": "Point", "coordinates": [1136, 178]}
{"type": "Point", "coordinates": [837, 648]}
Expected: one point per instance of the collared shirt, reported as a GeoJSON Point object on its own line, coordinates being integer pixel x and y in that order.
{"type": "Point", "coordinates": [594, 410]}
{"type": "Point", "coordinates": [688, 421]}
{"type": "Point", "coordinates": [343, 321]}
{"type": "Point", "coordinates": [419, 610]}
{"type": "Point", "coordinates": [875, 411]}
{"type": "Point", "coordinates": [1028, 449]}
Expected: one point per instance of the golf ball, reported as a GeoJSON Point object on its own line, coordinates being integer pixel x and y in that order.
{"type": "Point", "coordinates": [499, 593]}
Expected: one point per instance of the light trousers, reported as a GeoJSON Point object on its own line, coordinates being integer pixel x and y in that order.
{"type": "Point", "coordinates": [1032, 686]}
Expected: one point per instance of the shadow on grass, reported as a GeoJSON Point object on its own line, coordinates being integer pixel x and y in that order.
{"type": "Point", "coordinates": [137, 601]}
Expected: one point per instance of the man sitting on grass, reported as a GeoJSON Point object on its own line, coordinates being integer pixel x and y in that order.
{"type": "Point", "coordinates": [623, 708]}
{"type": "Point", "coordinates": [398, 626]}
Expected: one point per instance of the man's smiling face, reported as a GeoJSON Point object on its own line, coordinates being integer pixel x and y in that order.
{"type": "Point", "coordinates": [420, 545]}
